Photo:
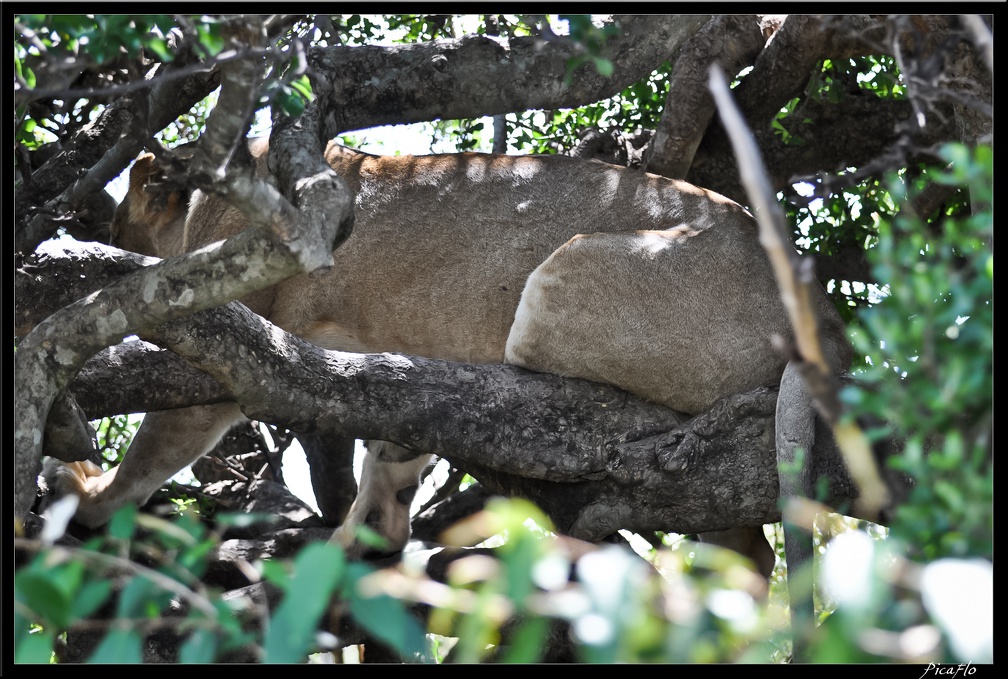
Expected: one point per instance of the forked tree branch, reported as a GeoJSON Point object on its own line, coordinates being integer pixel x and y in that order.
{"type": "Point", "coordinates": [53, 351]}
{"type": "Point", "coordinates": [595, 458]}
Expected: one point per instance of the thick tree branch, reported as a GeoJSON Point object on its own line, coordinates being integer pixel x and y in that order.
{"type": "Point", "coordinates": [147, 378]}
{"type": "Point", "coordinates": [849, 133]}
{"type": "Point", "coordinates": [595, 458]}
{"type": "Point", "coordinates": [829, 138]}
{"type": "Point", "coordinates": [475, 76]}
{"type": "Point", "coordinates": [729, 40]}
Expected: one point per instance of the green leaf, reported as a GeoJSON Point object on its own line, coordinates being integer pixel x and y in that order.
{"type": "Point", "coordinates": [35, 648]}
{"type": "Point", "coordinates": [40, 592]}
{"type": "Point", "coordinates": [123, 523]}
{"type": "Point", "coordinates": [134, 597]}
{"type": "Point", "coordinates": [302, 86]}
{"type": "Point", "coordinates": [275, 572]}
{"type": "Point", "coordinates": [119, 646]}
{"type": "Point", "coordinates": [210, 39]}
{"type": "Point", "coordinates": [366, 535]}
{"type": "Point", "coordinates": [289, 102]}
{"type": "Point", "coordinates": [526, 645]}
{"type": "Point", "coordinates": [950, 495]}
{"type": "Point", "coordinates": [603, 66]}
{"type": "Point", "coordinates": [317, 570]}
{"type": "Point", "coordinates": [199, 648]}
{"type": "Point", "coordinates": [160, 48]}
{"type": "Point", "coordinates": [29, 77]}
{"type": "Point", "coordinates": [91, 596]}
{"type": "Point", "coordinates": [385, 618]}
{"type": "Point", "coordinates": [195, 558]}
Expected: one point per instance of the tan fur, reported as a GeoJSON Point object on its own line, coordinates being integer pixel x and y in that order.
{"type": "Point", "coordinates": [162, 214]}
{"type": "Point", "coordinates": [552, 263]}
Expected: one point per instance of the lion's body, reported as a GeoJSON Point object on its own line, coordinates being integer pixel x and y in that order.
{"type": "Point", "coordinates": [649, 284]}
{"type": "Point", "coordinates": [442, 248]}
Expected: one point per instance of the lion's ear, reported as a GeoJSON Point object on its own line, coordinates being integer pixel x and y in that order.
{"type": "Point", "coordinates": [151, 218]}
{"type": "Point", "coordinates": [151, 198]}
{"type": "Point", "coordinates": [143, 169]}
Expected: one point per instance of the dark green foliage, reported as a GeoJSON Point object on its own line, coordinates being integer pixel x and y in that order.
{"type": "Point", "coordinates": [591, 39]}
{"type": "Point", "coordinates": [638, 107]}
{"type": "Point", "coordinates": [928, 347]}
{"type": "Point", "coordinates": [115, 435]}
{"type": "Point", "coordinates": [102, 37]}
{"type": "Point", "coordinates": [60, 587]}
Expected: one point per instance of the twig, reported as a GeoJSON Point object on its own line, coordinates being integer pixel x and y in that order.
{"type": "Point", "coordinates": [982, 39]}
{"type": "Point", "coordinates": [115, 563]}
{"type": "Point", "coordinates": [795, 292]}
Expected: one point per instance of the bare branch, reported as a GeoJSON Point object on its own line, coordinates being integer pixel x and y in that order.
{"type": "Point", "coordinates": [983, 39]}
{"type": "Point", "coordinates": [794, 281]}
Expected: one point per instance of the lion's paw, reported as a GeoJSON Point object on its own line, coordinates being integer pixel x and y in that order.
{"type": "Point", "coordinates": [66, 478]}
{"type": "Point", "coordinates": [83, 479]}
